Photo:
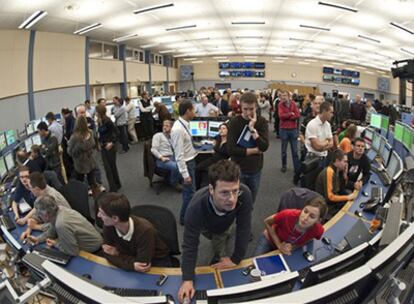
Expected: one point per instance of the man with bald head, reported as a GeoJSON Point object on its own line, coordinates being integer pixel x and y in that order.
{"type": "Point", "coordinates": [358, 111]}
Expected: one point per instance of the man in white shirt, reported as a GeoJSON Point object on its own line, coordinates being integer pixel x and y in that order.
{"type": "Point", "coordinates": [130, 109]}
{"type": "Point", "coordinates": [54, 127]}
{"type": "Point", "coordinates": [205, 109]}
{"type": "Point", "coordinates": [184, 152]}
{"type": "Point", "coordinates": [318, 134]}
{"type": "Point", "coordinates": [162, 150]}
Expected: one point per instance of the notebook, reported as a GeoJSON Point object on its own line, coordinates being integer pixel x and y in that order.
{"type": "Point", "coordinates": [271, 264]}
{"type": "Point", "coordinates": [246, 139]}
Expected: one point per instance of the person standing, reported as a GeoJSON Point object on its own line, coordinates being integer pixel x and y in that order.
{"type": "Point", "coordinates": [357, 110]}
{"type": "Point", "coordinates": [108, 138]}
{"type": "Point", "coordinates": [250, 160]}
{"type": "Point", "coordinates": [131, 113]}
{"type": "Point", "coordinates": [54, 127]}
{"type": "Point", "coordinates": [369, 110]}
{"type": "Point", "coordinates": [264, 106]}
{"type": "Point", "coordinates": [147, 121]}
{"type": "Point", "coordinates": [184, 152]}
{"type": "Point", "coordinates": [288, 129]}
{"type": "Point", "coordinates": [121, 120]}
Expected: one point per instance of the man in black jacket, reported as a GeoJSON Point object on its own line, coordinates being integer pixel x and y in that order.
{"type": "Point", "coordinates": [358, 163]}
{"type": "Point", "coordinates": [213, 211]}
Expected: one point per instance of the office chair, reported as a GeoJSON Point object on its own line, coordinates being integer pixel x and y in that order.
{"type": "Point", "coordinates": [295, 198]}
{"type": "Point", "coordinates": [150, 168]}
{"type": "Point", "coordinates": [76, 193]}
{"type": "Point", "coordinates": [310, 170]}
{"type": "Point", "coordinates": [164, 222]}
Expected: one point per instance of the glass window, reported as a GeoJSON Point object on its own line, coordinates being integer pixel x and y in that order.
{"type": "Point", "coordinates": [152, 58]}
{"type": "Point", "coordinates": [141, 56]}
{"type": "Point", "coordinates": [129, 54]}
{"type": "Point", "coordinates": [95, 49]}
{"type": "Point", "coordinates": [110, 51]}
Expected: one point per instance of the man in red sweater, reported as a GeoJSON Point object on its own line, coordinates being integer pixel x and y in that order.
{"type": "Point", "coordinates": [288, 116]}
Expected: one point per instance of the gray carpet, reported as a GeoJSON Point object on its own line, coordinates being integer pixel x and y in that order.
{"type": "Point", "coordinates": [273, 183]}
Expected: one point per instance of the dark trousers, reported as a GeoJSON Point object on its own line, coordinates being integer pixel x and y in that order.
{"type": "Point", "coordinates": [188, 190]}
{"type": "Point", "coordinates": [290, 136]}
{"type": "Point", "coordinates": [147, 123]}
{"type": "Point", "coordinates": [90, 176]}
{"type": "Point", "coordinates": [252, 181]}
{"type": "Point", "coordinates": [111, 170]}
{"type": "Point", "coordinates": [123, 137]}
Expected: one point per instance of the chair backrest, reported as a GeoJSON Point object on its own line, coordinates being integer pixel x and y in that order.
{"type": "Point", "coordinates": [76, 193]}
{"type": "Point", "coordinates": [295, 198]}
{"type": "Point", "coordinates": [149, 163]}
{"type": "Point", "coordinates": [164, 222]}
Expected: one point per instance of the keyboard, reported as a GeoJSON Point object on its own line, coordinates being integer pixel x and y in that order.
{"type": "Point", "coordinates": [34, 262]}
{"type": "Point", "coordinates": [132, 292]}
{"type": "Point", "coordinates": [376, 193]}
{"type": "Point", "coordinates": [53, 255]}
{"type": "Point", "coordinates": [7, 222]}
{"type": "Point", "coordinates": [63, 295]}
{"type": "Point", "coordinates": [200, 296]}
{"type": "Point", "coordinates": [341, 246]}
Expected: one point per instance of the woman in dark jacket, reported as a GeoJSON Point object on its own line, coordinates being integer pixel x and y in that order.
{"type": "Point", "coordinates": [108, 137]}
{"type": "Point", "coordinates": [220, 152]}
{"type": "Point", "coordinates": [80, 147]}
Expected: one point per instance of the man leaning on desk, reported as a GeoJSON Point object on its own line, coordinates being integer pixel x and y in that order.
{"type": "Point", "coordinates": [215, 211]}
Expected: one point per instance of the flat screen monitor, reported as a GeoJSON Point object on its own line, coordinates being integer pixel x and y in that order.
{"type": "Point", "coordinates": [3, 168]}
{"type": "Point", "coordinates": [10, 137]}
{"type": "Point", "coordinates": [247, 65]}
{"type": "Point", "coordinates": [3, 143]}
{"type": "Point", "coordinates": [337, 71]}
{"type": "Point", "coordinates": [376, 120]}
{"type": "Point", "coordinates": [259, 65]}
{"type": "Point", "coordinates": [198, 128]}
{"type": "Point", "coordinates": [347, 73]}
{"type": "Point", "coordinates": [10, 239]}
{"type": "Point", "coordinates": [398, 131]}
{"type": "Point", "coordinates": [236, 65]}
{"type": "Point", "coordinates": [368, 134]}
{"type": "Point", "coordinates": [394, 165]}
{"type": "Point", "coordinates": [224, 65]}
{"type": "Point", "coordinates": [30, 128]}
{"type": "Point", "coordinates": [9, 160]}
{"type": "Point", "coordinates": [213, 128]}
{"type": "Point", "coordinates": [337, 79]}
{"type": "Point", "coordinates": [385, 122]}
{"type": "Point", "coordinates": [327, 70]}
{"type": "Point", "coordinates": [407, 137]}
{"type": "Point", "coordinates": [36, 140]}
{"type": "Point", "coordinates": [224, 73]}
{"type": "Point", "coordinates": [355, 74]}
{"type": "Point", "coordinates": [385, 154]}
{"type": "Point", "coordinates": [247, 73]}
{"type": "Point", "coordinates": [346, 80]}
{"type": "Point", "coordinates": [236, 73]}
{"type": "Point", "coordinates": [36, 123]}
{"type": "Point", "coordinates": [376, 142]}
{"type": "Point", "coordinates": [28, 144]}
{"type": "Point", "coordinates": [383, 141]}
{"type": "Point", "coordinates": [355, 81]}
{"type": "Point", "coordinates": [328, 78]}
{"type": "Point", "coordinates": [259, 74]}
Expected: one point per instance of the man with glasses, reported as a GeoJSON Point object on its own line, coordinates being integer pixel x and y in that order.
{"type": "Point", "coordinates": [22, 194]}
{"type": "Point", "coordinates": [215, 211]}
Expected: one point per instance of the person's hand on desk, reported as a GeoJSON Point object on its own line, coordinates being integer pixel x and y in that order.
{"type": "Point", "coordinates": [34, 240]}
{"type": "Point", "coordinates": [186, 292]}
{"type": "Point", "coordinates": [51, 243]}
{"type": "Point", "coordinates": [111, 250]}
{"type": "Point", "coordinates": [21, 221]}
{"type": "Point", "coordinates": [285, 248]}
{"type": "Point", "coordinates": [25, 234]}
{"type": "Point", "coordinates": [142, 267]}
{"type": "Point", "coordinates": [187, 181]}
{"type": "Point", "coordinates": [225, 262]}
{"type": "Point", "coordinates": [352, 196]}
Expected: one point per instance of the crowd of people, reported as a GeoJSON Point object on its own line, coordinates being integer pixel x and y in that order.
{"type": "Point", "coordinates": [218, 194]}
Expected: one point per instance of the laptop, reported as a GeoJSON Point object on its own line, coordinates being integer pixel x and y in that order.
{"type": "Point", "coordinates": [358, 234]}
{"type": "Point", "coordinates": [52, 255]}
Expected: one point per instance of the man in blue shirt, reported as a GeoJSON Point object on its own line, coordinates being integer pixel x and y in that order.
{"type": "Point", "coordinates": [22, 193]}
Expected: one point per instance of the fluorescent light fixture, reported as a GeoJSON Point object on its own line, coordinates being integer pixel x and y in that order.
{"type": "Point", "coordinates": [303, 62]}
{"type": "Point", "coordinates": [166, 51]}
{"type": "Point", "coordinates": [197, 39]}
{"type": "Point", "coordinates": [152, 8]}
{"type": "Point", "coordinates": [249, 37]}
{"type": "Point", "coordinates": [300, 39]}
{"type": "Point", "coordinates": [280, 58]}
{"type": "Point", "coordinates": [369, 72]}
{"type": "Point", "coordinates": [315, 27]}
{"type": "Point", "coordinates": [190, 59]}
{"type": "Point", "coordinates": [149, 45]}
{"type": "Point", "coordinates": [197, 61]}
{"type": "Point", "coordinates": [250, 57]}
{"type": "Point", "coordinates": [311, 60]}
{"type": "Point", "coordinates": [248, 23]}
{"type": "Point", "coordinates": [346, 46]}
{"type": "Point", "coordinates": [407, 51]}
{"type": "Point", "coordinates": [369, 38]}
{"type": "Point", "coordinates": [402, 27]}
{"type": "Point", "coordinates": [126, 37]}
{"type": "Point", "coordinates": [223, 60]}
{"type": "Point", "coordinates": [339, 6]}
{"type": "Point", "coordinates": [361, 67]}
{"type": "Point", "coordinates": [277, 61]}
{"type": "Point", "coordinates": [87, 28]}
{"type": "Point", "coordinates": [181, 27]}
{"type": "Point", "coordinates": [382, 72]}
{"type": "Point", "coordinates": [220, 57]}
{"type": "Point", "coordinates": [34, 18]}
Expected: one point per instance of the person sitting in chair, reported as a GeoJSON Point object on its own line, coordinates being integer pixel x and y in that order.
{"type": "Point", "coordinates": [292, 228]}
{"type": "Point", "coordinates": [161, 148]}
{"type": "Point", "coordinates": [130, 242]}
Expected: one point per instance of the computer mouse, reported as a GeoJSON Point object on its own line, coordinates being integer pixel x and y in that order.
{"type": "Point", "coordinates": [358, 213]}
{"type": "Point", "coordinates": [326, 240]}
{"type": "Point", "coordinates": [373, 182]}
{"type": "Point", "coordinates": [364, 193]}
{"type": "Point", "coordinates": [308, 256]}
{"type": "Point", "coordinates": [87, 276]}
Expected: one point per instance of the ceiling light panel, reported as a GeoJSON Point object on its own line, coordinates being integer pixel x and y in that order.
{"type": "Point", "coordinates": [32, 19]}
{"type": "Point", "coordinates": [87, 28]}
{"type": "Point", "coordinates": [338, 6]}
{"type": "Point", "coordinates": [153, 8]}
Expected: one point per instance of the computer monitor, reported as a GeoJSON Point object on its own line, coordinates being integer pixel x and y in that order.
{"type": "Point", "coordinates": [9, 239]}
{"type": "Point", "coordinates": [3, 143]}
{"type": "Point", "coordinates": [336, 266]}
{"type": "Point", "coordinates": [271, 286]}
{"type": "Point", "coordinates": [30, 128]}
{"type": "Point", "coordinates": [198, 128]}
{"type": "Point", "coordinates": [407, 137]}
{"type": "Point", "coordinates": [376, 142]}
{"type": "Point", "coordinates": [395, 166]}
{"type": "Point", "coordinates": [9, 160]}
{"type": "Point", "coordinates": [10, 137]}
{"type": "Point", "coordinates": [385, 122]}
{"type": "Point", "coordinates": [376, 120]}
{"type": "Point", "coordinates": [87, 292]}
{"type": "Point", "coordinates": [36, 122]}
{"type": "Point", "coordinates": [36, 140]}
{"type": "Point", "coordinates": [28, 144]}
{"type": "Point", "coordinates": [385, 154]}
{"type": "Point", "coordinates": [398, 131]}
{"type": "Point", "coordinates": [213, 128]}
{"type": "Point", "coordinates": [3, 168]}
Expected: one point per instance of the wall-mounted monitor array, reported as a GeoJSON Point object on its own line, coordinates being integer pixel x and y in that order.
{"type": "Point", "coordinates": [340, 76]}
{"type": "Point", "coordinates": [241, 74]}
{"type": "Point", "coordinates": [242, 65]}
{"type": "Point", "coordinates": [404, 134]}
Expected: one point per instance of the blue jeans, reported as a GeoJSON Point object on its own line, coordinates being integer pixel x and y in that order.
{"type": "Point", "coordinates": [188, 190]}
{"type": "Point", "coordinates": [263, 246]}
{"type": "Point", "coordinates": [290, 136]}
{"type": "Point", "coordinates": [171, 166]}
{"type": "Point", "coordinates": [252, 181]}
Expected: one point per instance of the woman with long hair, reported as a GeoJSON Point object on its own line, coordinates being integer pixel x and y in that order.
{"type": "Point", "coordinates": [108, 138]}
{"type": "Point", "coordinates": [80, 147]}
{"type": "Point", "coordinates": [346, 143]}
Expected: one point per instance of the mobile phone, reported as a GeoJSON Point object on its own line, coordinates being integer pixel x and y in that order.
{"type": "Point", "coordinates": [161, 280]}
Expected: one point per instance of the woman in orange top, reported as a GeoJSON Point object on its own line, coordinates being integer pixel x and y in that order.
{"type": "Point", "coordinates": [346, 143]}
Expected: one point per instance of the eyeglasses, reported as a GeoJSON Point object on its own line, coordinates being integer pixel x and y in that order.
{"type": "Point", "coordinates": [228, 194]}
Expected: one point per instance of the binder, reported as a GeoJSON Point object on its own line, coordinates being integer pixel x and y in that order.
{"type": "Point", "coordinates": [246, 139]}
